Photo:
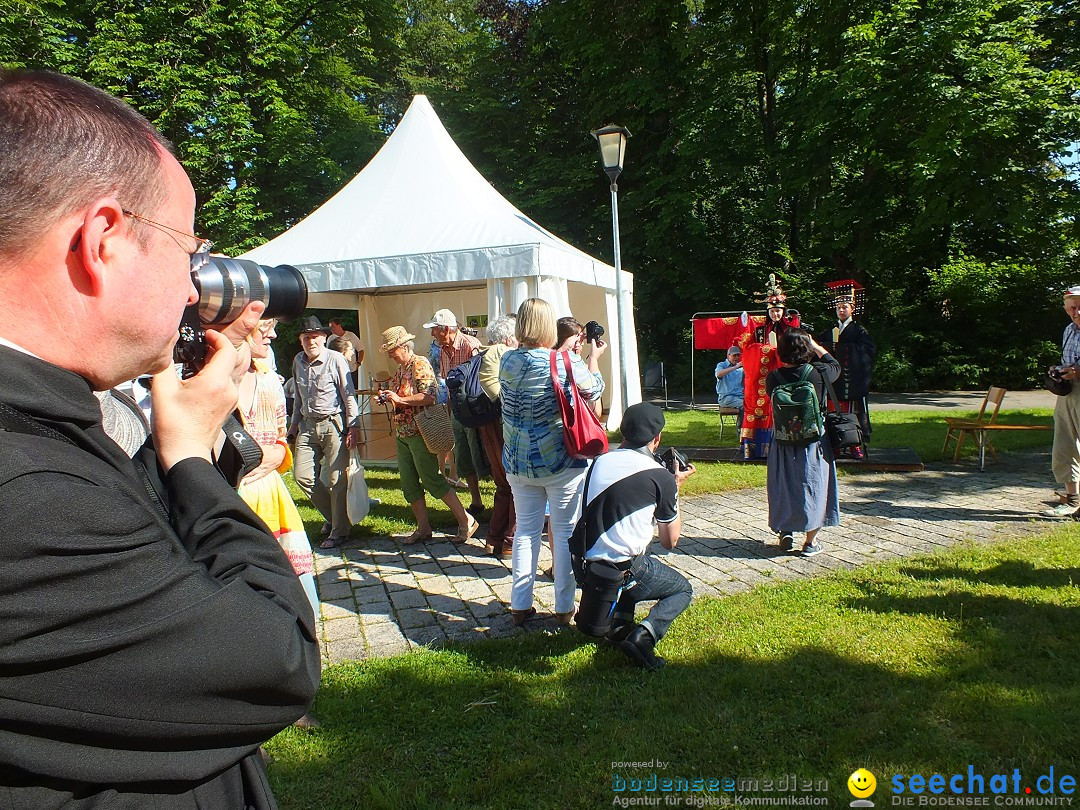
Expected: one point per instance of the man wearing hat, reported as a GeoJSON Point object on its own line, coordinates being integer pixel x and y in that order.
{"type": "Point", "coordinates": [854, 350]}
{"type": "Point", "coordinates": [1065, 458]}
{"type": "Point", "coordinates": [455, 348]}
{"type": "Point", "coordinates": [325, 425]}
{"type": "Point", "coordinates": [729, 380]}
{"type": "Point", "coordinates": [626, 492]}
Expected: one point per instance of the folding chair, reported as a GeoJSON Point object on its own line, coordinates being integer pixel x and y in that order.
{"type": "Point", "coordinates": [959, 429]}
{"type": "Point", "coordinates": [733, 413]}
{"type": "Point", "coordinates": [655, 380]}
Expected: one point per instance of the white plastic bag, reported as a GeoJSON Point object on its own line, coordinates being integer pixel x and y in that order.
{"type": "Point", "coordinates": [357, 499]}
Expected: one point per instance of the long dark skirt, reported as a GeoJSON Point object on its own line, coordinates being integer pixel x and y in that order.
{"type": "Point", "coordinates": [802, 488]}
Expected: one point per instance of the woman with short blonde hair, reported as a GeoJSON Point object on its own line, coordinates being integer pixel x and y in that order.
{"type": "Point", "coordinates": [540, 471]}
{"type": "Point", "coordinates": [536, 325]}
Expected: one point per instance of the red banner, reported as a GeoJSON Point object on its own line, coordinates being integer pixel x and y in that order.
{"type": "Point", "coordinates": [723, 333]}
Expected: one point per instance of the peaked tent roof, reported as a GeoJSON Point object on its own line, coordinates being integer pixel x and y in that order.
{"type": "Point", "coordinates": [417, 214]}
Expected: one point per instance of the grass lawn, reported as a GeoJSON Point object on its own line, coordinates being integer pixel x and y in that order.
{"type": "Point", "coordinates": [923, 665]}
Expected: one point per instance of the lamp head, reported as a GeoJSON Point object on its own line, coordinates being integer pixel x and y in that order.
{"type": "Point", "coordinates": [612, 141]}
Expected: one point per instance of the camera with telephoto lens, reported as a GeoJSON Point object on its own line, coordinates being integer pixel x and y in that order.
{"type": "Point", "coordinates": [673, 461]}
{"type": "Point", "coordinates": [225, 287]}
{"type": "Point", "coordinates": [593, 332]}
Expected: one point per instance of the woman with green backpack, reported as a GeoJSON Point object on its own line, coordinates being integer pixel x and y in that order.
{"type": "Point", "coordinates": [801, 481]}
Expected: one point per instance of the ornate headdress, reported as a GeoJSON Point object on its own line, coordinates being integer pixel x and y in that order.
{"type": "Point", "coordinates": [848, 291]}
{"type": "Point", "coordinates": [774, 295]}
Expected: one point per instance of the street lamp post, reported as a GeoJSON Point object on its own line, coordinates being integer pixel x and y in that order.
{"type": "Point", "coordinates": [612, 141]}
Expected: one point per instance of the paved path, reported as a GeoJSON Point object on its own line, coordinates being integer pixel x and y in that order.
{"type": "Point", "coordinates": [381, 598]}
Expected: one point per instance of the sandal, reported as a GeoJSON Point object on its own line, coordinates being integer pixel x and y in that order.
{"type": "Point", "coordinates": [519, 617]}
{"type": "Point", "coordinates": [331, 542]}
{"type": "Point", "coordinates": [467, 531]}
{"type": "Point", "coordinates": [457, 483]}
{"type": "Point", "coordinates": [416, 537]}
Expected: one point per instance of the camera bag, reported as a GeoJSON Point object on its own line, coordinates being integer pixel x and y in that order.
{"type": "Point", "coordinates": [1057, 385]}
{"type": "Point", "coordinates": [843, 429]}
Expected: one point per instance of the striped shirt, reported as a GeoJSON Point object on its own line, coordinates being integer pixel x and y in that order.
{"type": "Point", "coordinates": [1070, 345]}
{"type": "Point", "coordinates": [625, 492]}
{"type": "Point", "coordinates": [532, 424]}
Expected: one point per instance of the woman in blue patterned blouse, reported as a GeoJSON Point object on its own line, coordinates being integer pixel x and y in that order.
{"type": "Point", "coordinates": [539, 470]}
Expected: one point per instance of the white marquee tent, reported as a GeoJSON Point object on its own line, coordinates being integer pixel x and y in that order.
{"type": "Point", "coordinates": [419, 229]}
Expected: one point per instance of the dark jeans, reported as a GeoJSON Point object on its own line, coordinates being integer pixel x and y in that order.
{"type": "Point", "coordinates": [501, 528]}
{"type": "Point", "coordinates": [654, 580]}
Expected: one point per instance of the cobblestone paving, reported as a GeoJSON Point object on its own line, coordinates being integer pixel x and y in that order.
{"type": "Point", "coordinates": [383, 598]}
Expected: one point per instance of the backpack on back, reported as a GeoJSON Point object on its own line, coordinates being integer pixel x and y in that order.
{"type": "Point", "coordinates": [471, 406]}
{"type": "Point", "coordinates": [797, 411]}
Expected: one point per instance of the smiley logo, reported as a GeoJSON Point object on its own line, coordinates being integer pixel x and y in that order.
{"type": "Point", "coordinates": [861, 783]}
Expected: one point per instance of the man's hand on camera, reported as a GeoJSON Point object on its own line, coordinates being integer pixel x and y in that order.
{"type": "Point", "coordinates": [188, 414]}
{"type": "Point", "coordinates": [684, 474]}
{"type": "Point", "coordinates": [237, 332]}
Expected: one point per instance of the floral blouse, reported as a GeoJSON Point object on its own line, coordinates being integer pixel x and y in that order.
{"type": "Point", "coordinates": [415, 377]}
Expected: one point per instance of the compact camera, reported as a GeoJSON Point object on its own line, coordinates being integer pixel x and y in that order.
{"type": "Point", "coordinates": [593, 332]}
{"type": "Point", "coordinates": [673, 461]}
{"type": "Point", "coordinates": [1056, 371]}
{"type": "Point", "coordinates": [225, 287]}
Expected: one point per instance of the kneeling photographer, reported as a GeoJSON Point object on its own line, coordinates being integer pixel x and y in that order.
{"type": "Point", "coordinates": [626, 491]}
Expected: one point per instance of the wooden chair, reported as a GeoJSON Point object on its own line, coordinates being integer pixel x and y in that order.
{"type": "Point", "coordinates": [734, 414]}
{"type": "Point", "coordinates": [960, 429]}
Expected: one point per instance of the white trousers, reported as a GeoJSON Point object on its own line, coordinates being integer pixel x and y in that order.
{"type": "Point", "coordinates": [531, 497]}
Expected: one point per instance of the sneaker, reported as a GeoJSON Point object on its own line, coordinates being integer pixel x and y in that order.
{"type": "Point", "coordinates": [810, 549]}
{"type": "Point", "coordinates": [1062, 510]}
{"type": "Point", "coordinates": [787, 541]}
{"type": "Point", "coordinates": [373, 502]}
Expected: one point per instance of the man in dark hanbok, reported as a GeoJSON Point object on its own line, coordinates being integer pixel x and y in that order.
{"type": "Point", "coordinates": [854, 349]}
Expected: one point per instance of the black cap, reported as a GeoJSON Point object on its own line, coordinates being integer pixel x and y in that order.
{"type": "Point", "coordinates": [312, 324]}
{"type": "Point", "coordinates": [641, 424]}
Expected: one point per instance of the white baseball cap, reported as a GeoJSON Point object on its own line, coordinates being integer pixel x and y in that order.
{"type": "Point", "coordinates": [443, 317]}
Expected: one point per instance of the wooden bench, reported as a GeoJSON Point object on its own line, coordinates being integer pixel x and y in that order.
{"type": "Point", "coordinates": [982, 440]}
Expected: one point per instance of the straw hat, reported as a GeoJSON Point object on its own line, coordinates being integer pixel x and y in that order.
{"type": "Point", "coordinates": [394, 337]}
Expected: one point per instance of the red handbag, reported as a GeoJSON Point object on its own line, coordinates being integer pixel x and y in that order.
{"type": "Point", "coordinates": [583, 434]}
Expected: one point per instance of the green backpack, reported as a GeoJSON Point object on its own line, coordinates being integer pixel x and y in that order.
{"type": "Point", "coordinates": [797, 411]}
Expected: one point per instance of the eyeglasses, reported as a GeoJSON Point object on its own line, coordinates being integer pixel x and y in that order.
{"type": "Point", "coordinates": [198, 249]}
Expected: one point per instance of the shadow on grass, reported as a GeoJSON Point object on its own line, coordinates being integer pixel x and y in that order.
{"type": "Point", "coordinates": [861, 672]}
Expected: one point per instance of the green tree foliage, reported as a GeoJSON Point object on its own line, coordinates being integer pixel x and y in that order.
{"type": "Point", "coordinates": [916, 146]}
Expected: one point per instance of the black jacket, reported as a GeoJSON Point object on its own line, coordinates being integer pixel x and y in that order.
{"type": "Point", "coordinates": [142, 658]}
{"type": "Point", "coordinates": [855, 352]}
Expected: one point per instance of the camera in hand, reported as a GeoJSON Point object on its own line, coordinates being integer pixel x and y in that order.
{"type": "Point", "coordinates": [1056, 371]}
{"type": "Point", "coordinates": [673, 460]}
{"type": "Point", "coordinates": [593, 332]}
{"type": "Point", "coordinates": [225, 287]}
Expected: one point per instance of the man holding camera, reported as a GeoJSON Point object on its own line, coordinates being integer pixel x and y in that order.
{"type": "Point", "coordinates": [1065, 457]}
{"type": "Point", "coordinates": [626, 491]}
{"type": "Point", "coordinates": [153, 634]}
